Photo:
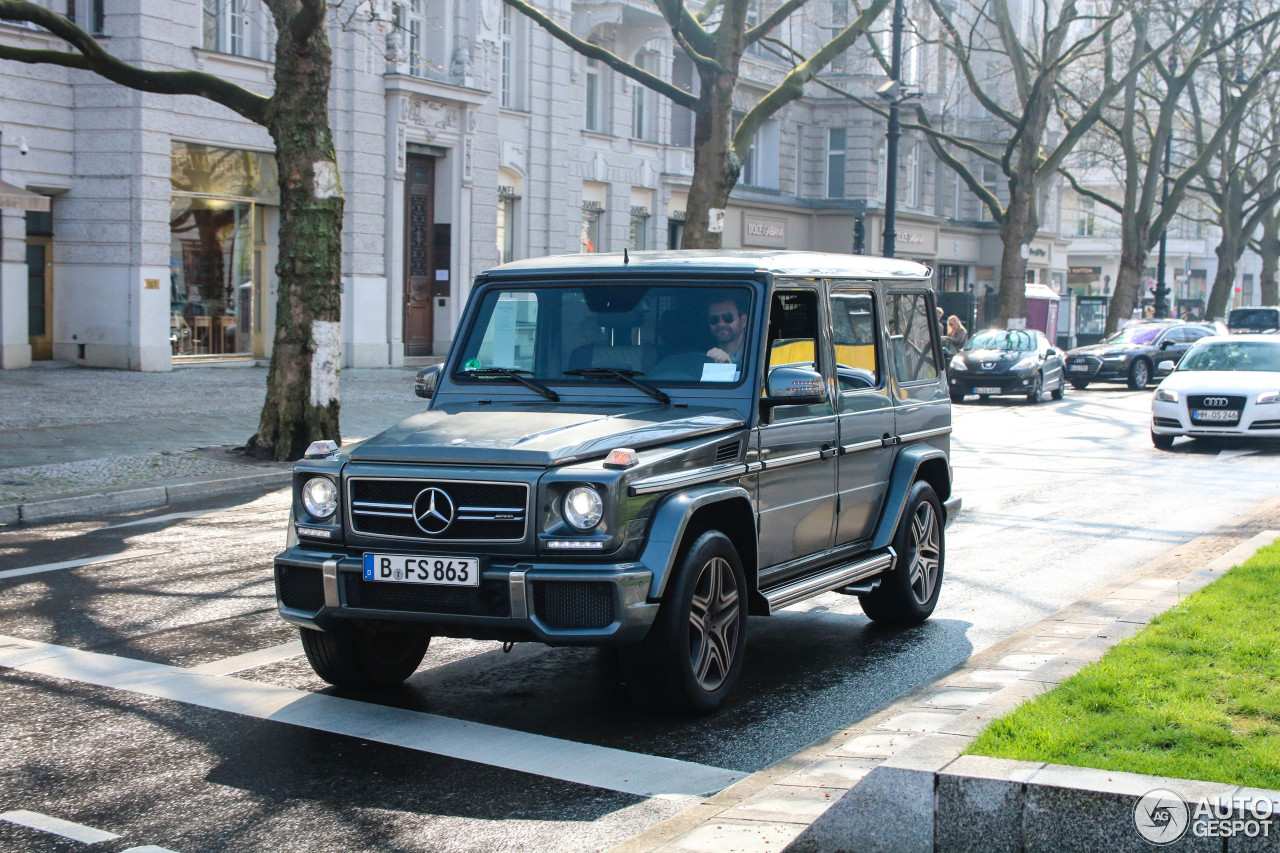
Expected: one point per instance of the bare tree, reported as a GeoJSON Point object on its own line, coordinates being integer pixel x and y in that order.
{"type": "Point", "coordinates": [1136, 130]}
{"type": "Point", "coordinates": [715, 38]}
{"type": "Point", "coordinates": [1032, 140]}
{"type": "Point", "coordinates": [1242, 183]}
{"type": "Point", "coordinates": [302, 385]}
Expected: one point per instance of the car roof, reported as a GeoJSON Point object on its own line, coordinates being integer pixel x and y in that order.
{"type": "Point", "coordinates": [1256, 337]}
{"type": "Point", "coordinates": [803, 264]}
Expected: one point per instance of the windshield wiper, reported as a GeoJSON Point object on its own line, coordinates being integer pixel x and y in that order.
{"type": "Point", "coordinates": [627, 376]}
{"type": "Point", "coordinates": [516, 374]}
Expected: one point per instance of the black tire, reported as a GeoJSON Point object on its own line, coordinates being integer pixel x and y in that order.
{"type": "Point", "coordinates": [363, 658]}
{"type": "Point", "coordinates": [681, 666]}
{"type": "Point", "coordinates": [957, 398]}
{"type": "Point", "coordinates": [1059, 392]}
{"type": "Point", "coordinates": [1162, 442]}
{"type": "Point", "coordinates": [908, 594]}
{"type": "Point", "coordinates": [1033, 396]}
{"type": "Point", "coordinates": [1079, 384]}
{"type": "Point", "coordinates": [1139, 374]}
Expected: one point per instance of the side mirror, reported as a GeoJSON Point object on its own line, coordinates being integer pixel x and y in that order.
{"type": "Point", "coordinates": [427, 380]}
{"type": "Point", "coordinates": [1166, 366]}
{"type": "Point", "coordinates": [1166, 344]}
{"type": "Point", "coordinates": [794, 386]}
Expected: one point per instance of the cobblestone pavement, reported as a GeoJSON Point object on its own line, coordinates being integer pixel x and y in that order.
{"type": "Point", "coordinates": [67, 431]}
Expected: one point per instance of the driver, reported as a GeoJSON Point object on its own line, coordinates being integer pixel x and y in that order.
{"type": "Point", "coordinates": [727, 320]}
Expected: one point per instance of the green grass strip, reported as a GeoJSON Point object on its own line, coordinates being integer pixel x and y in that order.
{"type": "Point", "coordinates": [1194, 695]}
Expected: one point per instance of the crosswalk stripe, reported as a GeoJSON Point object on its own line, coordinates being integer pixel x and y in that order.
{"type": "Point", "coordinates": [57, 826]}
{"type": "Point", "coordinates": [555, 758]}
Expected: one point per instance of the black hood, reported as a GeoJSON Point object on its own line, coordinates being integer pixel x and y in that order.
{"type": "Point", "coordinates": [538, 434]}
{"type": "Point", "coordinates": [1099, 349]}
{"type": "Point", "coordinates": [974, 359]}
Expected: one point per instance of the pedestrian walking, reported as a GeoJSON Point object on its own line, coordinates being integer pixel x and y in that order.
{"type": "Point", "coordinates": [955, 335]}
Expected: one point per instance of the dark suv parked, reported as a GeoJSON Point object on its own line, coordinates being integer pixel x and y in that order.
{"type": "Point", "coordinates": [639, 451]}
{"type": "Point", "coordinates": [1133, 354]}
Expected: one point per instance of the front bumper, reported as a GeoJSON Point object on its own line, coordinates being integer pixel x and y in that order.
{"type": "Point", "coordinates": [554, 603]}
{"type": "Point", "coordinates": [1255, 422]}
{"type": "Point", "coordinates": [1005, 383]}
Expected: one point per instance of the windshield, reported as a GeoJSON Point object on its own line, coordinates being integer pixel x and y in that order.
{"type": "Point", "coordinates": [1227, 355]}
{"type": "Point", "coordinates": [1013, 340]}
{"type": "Point", "coordinates": [1254, 318]}
{"type": "Point", "coordinates": [1136, 335]}
{"type": "Point", "coordinates": [669, 333]}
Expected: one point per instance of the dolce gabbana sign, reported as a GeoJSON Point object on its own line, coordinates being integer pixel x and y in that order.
{"type": "Point", "coordinates": [766, 231]}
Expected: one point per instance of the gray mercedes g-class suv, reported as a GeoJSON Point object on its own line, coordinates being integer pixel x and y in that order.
{"type": "Point", "coordinates": [638, 450]}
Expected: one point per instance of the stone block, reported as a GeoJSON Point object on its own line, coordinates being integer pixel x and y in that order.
{"type": "Point", "coordinates": [963, 697]}
{"type": "Point", "coordinates": [890, 811]}
{"type": "Point", "coordinates": [830, 773]}
{"type": "Point", "coordinates": [979, 805]}
{"type": "Point", "coordinates": [931, 753]}
{"type": "Point", "coordinates": [783, 804]}
{"type": "Point", "coordinates": [744, 836]}
{"type": "Point", "coordinates": [917, 721]}
{"type": "Point", "coordinates": [984, 678]}
{"type": "Point", "coordinates": [878, 744]}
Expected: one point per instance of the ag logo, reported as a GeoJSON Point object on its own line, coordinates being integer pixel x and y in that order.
{"type": "Point", "coordinates": [433, 511]}
{"type": "Point", "coordinates": [1216, 402]}
{"type": "Point", "coordinates": [1161, 816]}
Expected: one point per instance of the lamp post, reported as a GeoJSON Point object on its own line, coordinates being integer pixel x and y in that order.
{"type": "Point", "coordinates": [893, 93]}
{"type": "Point", "coordinates": [1160, 308]}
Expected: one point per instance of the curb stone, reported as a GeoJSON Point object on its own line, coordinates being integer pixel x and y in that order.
{"type": "Point", "coordinates": [1022, 662]}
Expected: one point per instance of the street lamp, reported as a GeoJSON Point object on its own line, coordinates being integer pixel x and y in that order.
{"type": "Point", "coordinates": [1160, 307]}
{"type": "Point", "coordinates": [892, 92]}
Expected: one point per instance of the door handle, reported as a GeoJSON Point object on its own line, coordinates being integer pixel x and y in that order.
{"type": "Point", "coordinates": [888, 440]}
{"type": "Point", "coordinates": [828, 450]}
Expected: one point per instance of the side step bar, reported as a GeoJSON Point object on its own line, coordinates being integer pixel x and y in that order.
{"type": "Point", "coordinates": [838, 576]}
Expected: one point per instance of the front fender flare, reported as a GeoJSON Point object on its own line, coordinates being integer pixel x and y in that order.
{"type": "Point", "coordinates": [905, 469]}
{"type": "Point", "coordinates": [668, 526]}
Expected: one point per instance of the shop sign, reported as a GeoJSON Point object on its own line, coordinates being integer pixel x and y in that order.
{"type": "Point", "coordinates": [764, 231]}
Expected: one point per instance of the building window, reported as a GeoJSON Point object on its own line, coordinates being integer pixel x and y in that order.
{"type": "Point", "coordinates": [639, 227]}
{"type": "Point", "coordinates": [839, 21]}
{"type": "Point", "coordinates": [597, 97]}
{"type": "Point", "coordinates": [506, 224]}
{"type": "Point", "coordinates": [760, 168]}
{"type": "Point", "coordinates": [592, 213]}
{"type": "Point", "coordinates": [835, 162]}
{"type": "Point", "coordinates": [682, 118]}
{"type": "Point", "coordinates": [911, 165]}
{"type": "Point", "coordinates": [424, 32]}
{"type": "Point", "coordinates": [513, 63]}
{"type": "Point", "coordinates": [1085, 223]}
{"type": "Point", "coordinates": [882, 169]}
{"type": "Point", "coordinates": [990, 180]}
{"type": "Point", "coordinates": [239, 27]}
{"type": "Point", "coordinates": [642, 100]}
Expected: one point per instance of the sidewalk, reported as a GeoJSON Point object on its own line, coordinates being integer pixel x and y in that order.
{"type": "Point", "coordinates": [77, 439]}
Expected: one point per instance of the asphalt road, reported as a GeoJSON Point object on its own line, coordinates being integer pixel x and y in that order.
{"type": "Point", "coordinates": [535, 749]}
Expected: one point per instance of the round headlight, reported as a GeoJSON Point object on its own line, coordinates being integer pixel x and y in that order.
{"type": "Point", "coordinates": [583, 507]}
{"type": "Point", "coordinates": [320, 497]}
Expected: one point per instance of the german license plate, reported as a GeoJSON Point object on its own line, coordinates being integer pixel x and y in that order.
{"type": "Point", "coordinates": [1078, 368]}
{"type": "Point", "coordinates": [1215, 415]}
{"type": "Point", "coordinates": [986, 390]}
{"type": "Point", "coordinates": [406, 568]}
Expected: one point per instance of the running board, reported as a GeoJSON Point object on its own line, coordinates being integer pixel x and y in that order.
{"type": "Point", "coordinates": [839, 576]}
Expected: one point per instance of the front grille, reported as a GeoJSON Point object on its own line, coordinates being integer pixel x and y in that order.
{"type": "Point", "coordinates": [1167, 422]}
{"type": "Point", "coordinates": [570, 605]}
{"type": "Point", "coordinates": [302, 589]}
{"type": "Point", "coordinates": [1265, 425]}
{"type": "Point", "coordinates": [485, 512]}
{"type": "Point", "coordinates": [1092, 365]}
{"type": "Point", "coordinates": [489, 599]}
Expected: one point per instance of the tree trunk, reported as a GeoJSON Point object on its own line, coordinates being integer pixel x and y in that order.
{"type": "Point", "coordinates": [302, 385]}
{"type": "Point", "coordinates": [715, 169]}
{"type": "Point", "coordinates": [1269, 250]}
{"type": "Point", "coordinates": [1016, 232]}
{"type": "Point", "coordinates": [1230, 220]}
{"type": "Point", "coordinates": [1130, 278]}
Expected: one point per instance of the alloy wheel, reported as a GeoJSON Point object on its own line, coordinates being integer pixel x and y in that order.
{"type": "Point", "coordinates": [925, 553]}
{"type": "Point", "coordinates": [714, 623]}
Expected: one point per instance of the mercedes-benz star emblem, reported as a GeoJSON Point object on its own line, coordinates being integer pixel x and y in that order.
{"type": "Point", "coordinates": [1216, 402]}
{"type": "Point", "coordinates": [433, 511]}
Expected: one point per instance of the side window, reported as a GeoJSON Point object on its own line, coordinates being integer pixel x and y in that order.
{"type": "Point", "coordinates": [793, 329]}
{"type": "Point", "coordinates": [853, 329]}
{"type": "Point", "coordinates": [912, 337]}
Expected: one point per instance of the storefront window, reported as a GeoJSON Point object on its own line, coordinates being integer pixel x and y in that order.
{"type": "Point", "coordinates": [218, 239]}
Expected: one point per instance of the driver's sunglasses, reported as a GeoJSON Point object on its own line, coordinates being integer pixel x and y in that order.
{"type": "Point", "coordinates": [721, 318]}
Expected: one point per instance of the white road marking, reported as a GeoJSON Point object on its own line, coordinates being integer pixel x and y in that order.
{"type": "Point", "coordinates": [569, 761]}
{"type": "Point", "coordinates": [1228, 454]}
{"type": "Point", "coordinates": [57, 826]}
{"type": "Point", "coordinates": [150, 848]}
{"type": "Point", "coordinates": [239, 663]}
{"type": "Point", "coordinates": [156, 519]}
{"type": "Point", "coordinates": [75, 564]}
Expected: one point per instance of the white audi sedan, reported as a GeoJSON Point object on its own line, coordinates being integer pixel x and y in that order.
{"type": "Point", "coordinates": [1223, 387]}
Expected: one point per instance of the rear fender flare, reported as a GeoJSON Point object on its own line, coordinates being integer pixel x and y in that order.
{"type": "Point", "coordinates": [906, 470]}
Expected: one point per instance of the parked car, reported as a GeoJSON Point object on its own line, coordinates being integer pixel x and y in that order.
{"type": "Point", "coordinates": [1133, 354]}
{"type": "Point", "coordinates": [638, 450]}
{"type": "Point", "coordinates": [1247, 320]}
{"type": "Point", "coordinates": [1224, 386]}
{"type": "Point", "coordinates": [1016, 361]}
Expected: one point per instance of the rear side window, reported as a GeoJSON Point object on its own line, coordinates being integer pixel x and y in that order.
{"type": "Point", "coordinates": [913, 333]}
{"type": "Point", "coordinates": [853, 330]}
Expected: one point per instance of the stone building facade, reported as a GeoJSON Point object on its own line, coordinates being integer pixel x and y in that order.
{"type": "Point", "coordinates": [466, 136]}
